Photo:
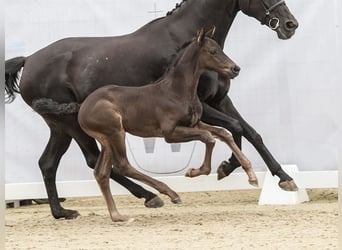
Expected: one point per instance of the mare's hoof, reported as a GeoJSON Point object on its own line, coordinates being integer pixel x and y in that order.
{"type": "Point", "coordinates": [72, 215]}
{"type": "Point", "coordinates": [254, 183]}
{"type": "Point", "coordinates": [220, 170]}
{"type": "Point", "coordinates": [67, 214]}
{"type": "Point", "coordinates": [288, 185]}
{"type": "Point", "coordinates": [154, 203]}
{"type": "Point", "coordinates": [177, 201]}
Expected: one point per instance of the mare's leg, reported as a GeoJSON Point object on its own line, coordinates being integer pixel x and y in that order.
{"type": "Point", "coordinates": [225, 136]}
{"type": "Point", "coordinates": [185, 134]}
{"type": "Point", "coordinates": [215, 117]}
{"type": "Point", "coordinates": [286, 182]}
{"type": "Point", "coordinates": [58, 144]}
{"type": "Point", "coordinates": [90, 151]}
{"type": "Point", "coordinates": [102, 172]}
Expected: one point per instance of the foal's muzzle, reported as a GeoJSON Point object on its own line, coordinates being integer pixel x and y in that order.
{"type": "Point", "coordinates": [233, 71]}
{"type": "Point", "coordinates": [236, 70]}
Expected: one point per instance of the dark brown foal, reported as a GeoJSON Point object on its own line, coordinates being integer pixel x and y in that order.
{"type": "Point", "coordinates": [169, 108]}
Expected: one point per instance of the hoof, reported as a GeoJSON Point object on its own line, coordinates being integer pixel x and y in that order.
{"type": "Point", "coordinates": [67, 214]}
{"type": "Point", "coordinates": [72, 215]}
{"type": "Point", "coordinates": [188, 173]}
{"type": "Point", "coordinates": [220, 170]}
{"type": "Point", "coordinates": [177, 201]}
{"type": "Point", "coordinates": [122, 219]}
{"type": "Point", "coordinates": [288, 185]}
{"type": "Point", "coordinates": [254, 183]}
{"type": "Point", "coordinates": [154, 203]}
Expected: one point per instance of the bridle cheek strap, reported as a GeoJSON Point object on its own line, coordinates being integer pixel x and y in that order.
{"type": "Point", "coordinates": [273, 22]}
{"type": "Point", "coordinates": [273, 7]}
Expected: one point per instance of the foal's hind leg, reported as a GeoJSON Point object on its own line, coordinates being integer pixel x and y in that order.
{"type": "Point", "coordinates": [102, 173]}
{"type": "Point", "coordinates": [225, 136]}
{"type": "Point", "coordinates": [91, 152]}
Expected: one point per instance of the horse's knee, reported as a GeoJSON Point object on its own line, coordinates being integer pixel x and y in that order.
{"type": "Point", "coordinates": [101, 177]}
{"type": "Point", "coordinates": [121, 168]}
{"type": "Point", "coordinates": [42, 162]}
{"type": "Point", "coordinates": [53, 152]}
{"type": "Point", "coordinates": [91, 161]}
{"type": "Point", "coordinates": [208, 138]}
{"type": "Point", "coordinates": [44, 168]}
{"type": "Point", "coordinates": [235, 127]}
{"type": "Point", "coordinates": [224, 133]}
{"type": "Point", "coordinates": [47, 167]}
{"type": "Point", "coordinates": [258, 139]}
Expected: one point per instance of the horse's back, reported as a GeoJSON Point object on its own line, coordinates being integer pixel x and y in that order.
{"type": "Point", "coordinates": [71, 68]}
{"type": "Point", "coordinates": [48, 72]}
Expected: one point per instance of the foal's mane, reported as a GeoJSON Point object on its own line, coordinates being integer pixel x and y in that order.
{"type": "Point", "coordinates": [179, 53]}
{"type": "Point", "coordinates": [175, 59]}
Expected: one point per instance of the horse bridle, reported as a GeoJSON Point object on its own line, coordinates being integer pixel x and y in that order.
{"type": "Point", "coordinates": [273, 22]}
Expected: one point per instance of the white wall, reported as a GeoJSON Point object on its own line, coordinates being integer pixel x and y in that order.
{"type": "Point", "coordinates": [288, 90]}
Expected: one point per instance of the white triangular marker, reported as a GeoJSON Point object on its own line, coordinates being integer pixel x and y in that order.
{"type": "Point", "coordinates": [272, 194]}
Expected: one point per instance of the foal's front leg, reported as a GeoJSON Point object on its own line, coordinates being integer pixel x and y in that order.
{"type": "Point", "coordinates": [186, 134]}
{"type": "Point", "coordinates": [225, 136]}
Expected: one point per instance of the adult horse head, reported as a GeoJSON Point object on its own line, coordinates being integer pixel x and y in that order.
{"type": "Point", "coordinates": [57, 78]}
{"type": "Point", "coordinates": [273, 13]}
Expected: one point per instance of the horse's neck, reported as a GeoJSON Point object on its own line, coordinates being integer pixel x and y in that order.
{"type": "Point", "coordinates": [196, 14]}
{"type": "Point", "coordinates": [185, 73]}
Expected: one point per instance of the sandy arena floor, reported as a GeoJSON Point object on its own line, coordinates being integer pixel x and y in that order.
{"type": "Point", "coordinates": [205, 220]}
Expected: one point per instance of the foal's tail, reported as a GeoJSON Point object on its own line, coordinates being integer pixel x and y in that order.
{"type": "Point", "coordinates": [12, 68]}
{"type": "Point", "coordinates": [48, 106]}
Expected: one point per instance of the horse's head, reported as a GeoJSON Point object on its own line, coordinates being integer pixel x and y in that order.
{"type": "Point", "coordinates": [212, 56]}
{"type": "Point", "coordinates": [273, 13]}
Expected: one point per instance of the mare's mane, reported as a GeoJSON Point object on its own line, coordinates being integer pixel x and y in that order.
{"type": "Point", "coordinates": [169, 13]}
{"type": "Point", "coordinates": [178, 5]}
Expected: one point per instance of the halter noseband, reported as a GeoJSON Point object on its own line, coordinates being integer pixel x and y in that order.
{"type": "Point", "coordinates": [268, 11]}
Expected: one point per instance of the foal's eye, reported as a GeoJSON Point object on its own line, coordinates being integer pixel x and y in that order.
{"type": "Point", "coordinates": [213, 52]}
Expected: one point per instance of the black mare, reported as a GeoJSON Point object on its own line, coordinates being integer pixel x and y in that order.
{"type": "Point", "coordinates": [60, 76]}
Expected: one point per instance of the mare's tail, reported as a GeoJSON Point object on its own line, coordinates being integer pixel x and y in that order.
{"type": "Point", "coordinates": [41, 106]}
{"type": "Point", "coordinates": [12, 68]}
{"type": "Point", "coordinates": [48, 106]}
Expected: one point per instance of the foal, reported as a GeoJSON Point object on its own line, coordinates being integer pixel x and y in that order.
{"type": "Point", "coordinates": [170, 108]}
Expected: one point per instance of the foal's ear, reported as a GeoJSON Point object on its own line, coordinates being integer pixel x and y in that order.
{"type": "Point", "coordinates": [210, 33]}
{"type": "Point", "coordinates": [200, 37]}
